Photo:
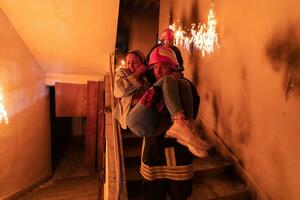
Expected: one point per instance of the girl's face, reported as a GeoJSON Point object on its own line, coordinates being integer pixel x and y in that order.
{"type": "Point", "coordinates": [133, 62]}
{"type": "Point", "coordinates": [161, 70]}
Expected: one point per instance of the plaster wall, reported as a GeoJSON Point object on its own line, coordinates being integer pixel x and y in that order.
{"type": "Point", "coordinates": [143, 30]}
{"type": "Point", "coordinates": [25, 156]}
{"type": "Point", "coordinates": [250, 85]}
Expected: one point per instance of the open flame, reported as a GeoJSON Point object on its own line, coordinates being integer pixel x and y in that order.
{"type": "Point", "coordinates": [3, 113]}
{"type": "Point", "coordinates": [123, 62]}
{"type": "Point", "coordinates": [203, 36]}
{"type": "Point", "coordinates": [120, 64]}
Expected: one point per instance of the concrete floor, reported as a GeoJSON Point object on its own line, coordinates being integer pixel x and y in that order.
{"type": "Point", "coordinates": [72, 163]}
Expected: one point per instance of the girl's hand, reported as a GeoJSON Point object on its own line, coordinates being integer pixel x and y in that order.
{"type": "Point", "coordinates": [177, 75]}
{"type": "Point", "coordinates": [140, 71]}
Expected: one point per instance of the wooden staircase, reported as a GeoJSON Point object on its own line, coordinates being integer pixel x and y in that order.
{"type": "Point", "coordinates": [76, 188]}
{"type": "Point", "coordinates": [72, 180]}
{"type": "Point", "coordinates": [214, 177]}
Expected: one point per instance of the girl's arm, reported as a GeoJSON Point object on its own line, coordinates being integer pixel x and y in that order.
{"type": "Point", "coordinates": [140, 72]}
{"type": "Point", "coordinates": [126, 83]}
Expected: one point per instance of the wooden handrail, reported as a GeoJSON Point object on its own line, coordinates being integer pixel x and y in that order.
{"type": "Point", "coordinates": [115, 183]}
{"type": "Point", "coordinates": [101, 140]}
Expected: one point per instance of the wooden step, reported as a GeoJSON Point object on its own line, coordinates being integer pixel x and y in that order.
{"type": "Point", "coordinates": [212, 180]}
{"type": "Point", "coordinates": [135, 190]}
{"type": "Point", "coordinates": [204, 188]}
{"type": "Point", "coordinates": [219, 188]}
{"type": "Point", "coordinates": [130, 139]}
{"type": "Point", "coordinates": [133, 173]}
{"type": "Point", "coordinates": [211, 166]}
{"type": "Point", "coordinates": [74, 188]}
{"type": "Point", "coordinates": [132, 151]}
{"type": "Point", "coordinates": [127, 134]}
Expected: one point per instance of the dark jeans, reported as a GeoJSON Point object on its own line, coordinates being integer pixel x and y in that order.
{"type": "Point", "coordinates": [177, 95]}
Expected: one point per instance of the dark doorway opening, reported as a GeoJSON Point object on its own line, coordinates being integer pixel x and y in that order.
{"type": "Point", "coordinates": [137, 26]}
{"type": "Point", "coordinates": [67, 144]}
{"type": "Point", "coordinates": [61, 132]}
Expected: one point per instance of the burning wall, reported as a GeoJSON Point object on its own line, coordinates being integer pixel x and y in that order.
{"type": "Point", "coordinates": [250, 86]}
{"type": "Point", "coordinates": [25, 156]}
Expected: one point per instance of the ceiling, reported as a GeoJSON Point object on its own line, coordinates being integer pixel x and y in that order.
{"type": "Point", "coordinates": [71, 40]}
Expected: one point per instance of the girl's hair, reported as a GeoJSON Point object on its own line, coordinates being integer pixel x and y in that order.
{"type": "Point", "coordinates": [139, 54]}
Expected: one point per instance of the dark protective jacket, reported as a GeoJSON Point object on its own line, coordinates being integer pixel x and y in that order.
{"type": "Point", "coordinates": [164, 158]}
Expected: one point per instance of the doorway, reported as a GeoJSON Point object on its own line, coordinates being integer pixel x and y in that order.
{"type": "Point", "coordinates": [67, 144]}
{"type": "Point", "coordinates": [137, 27]}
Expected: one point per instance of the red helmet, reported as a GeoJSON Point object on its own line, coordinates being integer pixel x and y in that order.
{"type": "Point", "coordinates": [164, 54]}
{"type": "Point", "coordinates": [167, 34]}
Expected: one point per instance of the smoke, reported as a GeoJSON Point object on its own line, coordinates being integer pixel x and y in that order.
{"type": "Point", "coordinates": [283, 51]}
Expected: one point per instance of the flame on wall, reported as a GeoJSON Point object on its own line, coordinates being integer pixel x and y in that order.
{"type": "Point", "coordinates": [3, 113]}
{"type": "Point", "coordinates": [203, 37]}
